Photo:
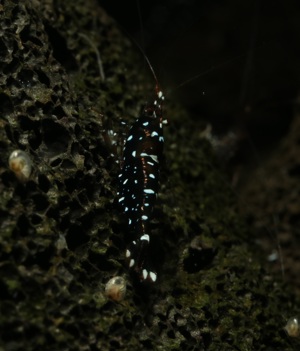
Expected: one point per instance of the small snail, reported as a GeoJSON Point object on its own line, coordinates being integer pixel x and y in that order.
{"type": "Point", "coordinates": [292, 327]}
{"type": "Point", "coordinates": [115, 288]}
{"type": "Point", "coordinates": [21, 164]}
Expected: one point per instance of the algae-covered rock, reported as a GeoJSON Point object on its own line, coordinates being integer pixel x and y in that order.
{"type": "Point", "coordinates": [68, 76]}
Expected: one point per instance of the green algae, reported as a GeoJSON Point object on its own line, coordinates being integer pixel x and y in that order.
{"type": "Point", "coordinates": [52, 294]}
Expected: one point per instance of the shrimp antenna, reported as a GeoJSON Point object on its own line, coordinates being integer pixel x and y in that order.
{"type": "Point", "coordinates": [208, 70]}
{"type": "Point", "coordinates": [147, 60]}
{"type": "Point", "coordinates": [157, 88]}
{"type": "Point", "coordinates": [151, 68]}
{"type": "Point", "coordinates": [216, 67]}
{"type": "Point", "coordinates": [138, 6]}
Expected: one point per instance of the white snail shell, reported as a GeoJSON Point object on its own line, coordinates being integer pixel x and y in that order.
{"type": "Point", "coordinates": [20, 163]}
{"type": "Point", "coordinates": [115, 288]}
{"type": "Point", "coordinates": [292, 327]}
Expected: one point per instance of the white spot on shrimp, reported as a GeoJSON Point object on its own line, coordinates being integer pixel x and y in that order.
{"type": "Point", "coordinates": [145, 237]}
{"type": "Point", "coordinates": [131, 263]}
{"type": "Point", "coordinates": [128, 254]}
{"type": "Point", "coordinates": [148, 191]}
{"type": "Point", "coordinates": [145, 274]}
{"type": "Point", "coordinates": [129, 138]}
{"type": "Point", "coordinates": [153, 134]}
{"type": "Point", "coordinates": [121, 199]}
{"type": "Point", "coordinates": [144, 218]}
{"type": "Point", "coordinates": [133, 153]}
{"type": "Point", "coordinates": [153, 276]}
{"type": "Point", "coordinates": [151, 176]}
{"type": "Point", "coordinates": [145, 124]}
{"type": "Point", "coordinates": [154, 158]}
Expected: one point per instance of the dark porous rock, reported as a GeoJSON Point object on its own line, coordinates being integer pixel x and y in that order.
{"type": "Point", "coordinates": [68, 77]}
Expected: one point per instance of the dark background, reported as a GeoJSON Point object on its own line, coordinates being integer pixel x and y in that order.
{"type": "Point", "coordinates": [242, 57]}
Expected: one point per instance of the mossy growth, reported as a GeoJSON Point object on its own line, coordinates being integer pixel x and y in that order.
{"type": "Point", "coordinates": [62, 236]}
